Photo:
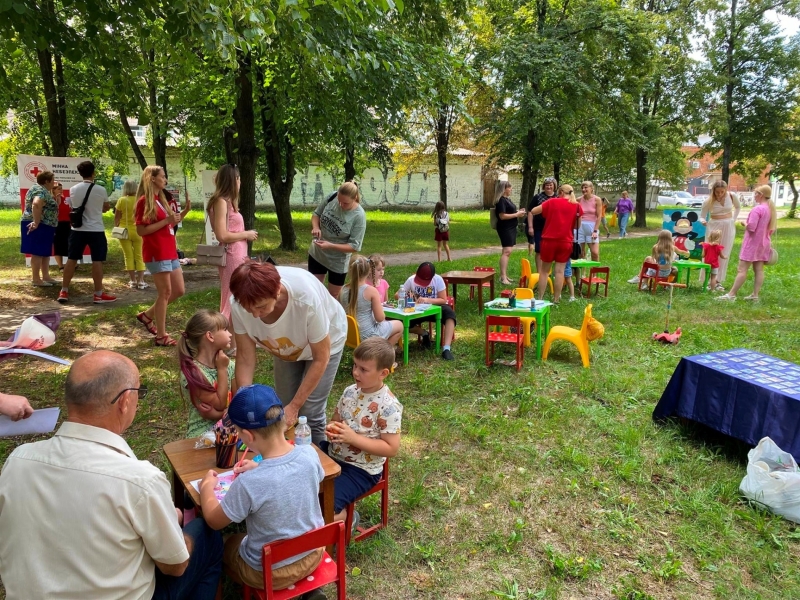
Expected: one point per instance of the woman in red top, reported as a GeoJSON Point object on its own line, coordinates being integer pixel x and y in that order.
{"type": "Point", "coordinates": [156, 225]}
{"type": "Point", "coordinates": [560, 214]}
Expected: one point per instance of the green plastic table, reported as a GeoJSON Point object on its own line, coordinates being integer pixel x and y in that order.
{"type": "Point", "coordinates": [433, 310]}
{"type": "Point", "coordinates": [687, 266]}
{"type": "Point", "coordinates": [541, 315]}
{"type": "Point", "coordinates": [582, 263]}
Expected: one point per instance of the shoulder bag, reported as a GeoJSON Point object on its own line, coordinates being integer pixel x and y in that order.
{"type": "Point", "coordinates": [576, 247]}
{"type": "Point", "coordinates": [119, 233]}
{"type": "Point", "coordinates": [210, 254]}
{"type": "Point", "coordinates": [773, 254]}
{"type": "Point", "coordinates": [76, 214]}
{"type": "Point", "coordinates": [493, 218]}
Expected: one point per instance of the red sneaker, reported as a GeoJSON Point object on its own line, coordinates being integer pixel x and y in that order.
{"type": "Point", "coordinates": [63, 297]}
{"type": "Point", "coordinates": [103, 298]}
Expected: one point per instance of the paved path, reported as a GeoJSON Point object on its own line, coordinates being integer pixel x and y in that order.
{"type": "Point", "coordinates": [201, 278]}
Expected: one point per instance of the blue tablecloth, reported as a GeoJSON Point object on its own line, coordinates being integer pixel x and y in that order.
{"type": "Point", "coordinates": [741, 393]}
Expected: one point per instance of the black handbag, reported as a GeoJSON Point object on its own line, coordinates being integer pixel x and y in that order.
{"type": "Point", "coordinates": [76, 214]}
{"type": "Point", "coordinates": [576, 247]}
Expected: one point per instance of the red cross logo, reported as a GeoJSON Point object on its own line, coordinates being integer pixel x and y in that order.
{"type": "Point", "coordinates": [33, 169]}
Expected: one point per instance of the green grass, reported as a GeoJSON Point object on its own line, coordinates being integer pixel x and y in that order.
{"type": "Point", "coordinates": [550, 483]}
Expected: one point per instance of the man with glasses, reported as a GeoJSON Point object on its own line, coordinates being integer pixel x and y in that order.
{"type": "Point", "coordinates": [81, 517]}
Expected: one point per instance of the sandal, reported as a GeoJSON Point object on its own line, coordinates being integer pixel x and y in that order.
{"type": "Point", "coordinates": [147, 322]}
{"type": "Point", "coordinates": [165, 341]}
{"type": "Point", "coordinates": [751, 297]}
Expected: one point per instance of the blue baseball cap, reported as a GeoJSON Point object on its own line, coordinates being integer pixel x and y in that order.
{"type": "Point", "coordinates": [250, 404]}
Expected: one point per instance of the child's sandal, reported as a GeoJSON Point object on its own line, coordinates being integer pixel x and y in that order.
{"type": "Point", "coordinates": [165, 341]}
{"type": "Point", "coordinates": [147, 322]}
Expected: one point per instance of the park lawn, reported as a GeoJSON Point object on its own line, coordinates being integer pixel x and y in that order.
{"type": "Point", "coordinates": [550, 483]}
{"type": "Point", "coordinates": [387, 233]}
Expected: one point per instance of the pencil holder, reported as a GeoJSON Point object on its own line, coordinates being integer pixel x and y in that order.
{"type": "Point", "coordinates": [227, 455]}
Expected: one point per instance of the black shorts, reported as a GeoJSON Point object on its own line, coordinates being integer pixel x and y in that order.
{"type": "Point", "coordinates": [448, 314]}
{"type": "Point", "coordinates": [96, 240]}
{"type": "Point", "coordinates": [61, 243]}
{"type": "Point", "coordinates": [316, 268]}
{"type": "Point", "coordinates": [508, 237]}
{"type": "Point", "coordinates": [536, 240]}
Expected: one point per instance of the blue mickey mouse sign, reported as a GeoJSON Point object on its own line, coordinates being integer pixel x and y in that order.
{"type": "Point", "coordinates": [687, 231]}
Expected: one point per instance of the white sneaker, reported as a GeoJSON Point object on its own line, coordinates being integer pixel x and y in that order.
{"type": "Point", "coordinates": [634, 279]}
{"type": "Point", "coordinates": [726, 297]}
{"type": "Point", "coordinates": [572, 298]}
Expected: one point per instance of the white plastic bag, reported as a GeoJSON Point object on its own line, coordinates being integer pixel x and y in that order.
{"type": "Point", "coordinates": [773, 479]}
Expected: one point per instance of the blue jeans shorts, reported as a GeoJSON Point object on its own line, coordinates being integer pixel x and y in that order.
{"type": "Point", "coordinates": [353, 482]}
{"type": "Point", "coordinates": [163, 266]}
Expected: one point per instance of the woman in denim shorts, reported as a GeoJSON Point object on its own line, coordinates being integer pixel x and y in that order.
{"type": "Point", "coordinates": [156, 225]}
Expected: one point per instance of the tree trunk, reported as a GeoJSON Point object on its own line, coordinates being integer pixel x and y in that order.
{"type": "Point", "coordinates": [137, 152]}
{"type": "Point", "coordinates": [530, 163]}
{"type": "Point", "coordinates": [56, 130]}
{"type": "Point", "coordinates": [442, 144]}
{"type": "Point", "coordinates": [280, 175]}
{"type": "Point", "coordinates": [61, 101]}
{"type": "Point", "coordinates": [157, 127]}
{"type": "Point", "coordinates": [247, 152]}
{"type": "Point", "coordinates": [793, 210]}
{"type": "Point", "coordinates": [349, 162]}
{"type": "Point", "coordinates": [641, 187]}
{"type": "Point", "coordinates": [229, 142]}
{"type": "Point", "coordinates": [727, 140]}
{"type": "Point", "coordinates": [557, 173]}
{"type": "Point", "coordinates": [40, 125]}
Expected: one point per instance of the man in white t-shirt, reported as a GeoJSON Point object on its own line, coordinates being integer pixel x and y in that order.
{"type": "Point", "coordinates": [429, 288]}
{"type": "Point", "coordinates": [91, 233]}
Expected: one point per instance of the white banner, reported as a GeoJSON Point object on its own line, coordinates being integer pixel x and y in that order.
{"type": "Point", "coordinates": [64, 168]}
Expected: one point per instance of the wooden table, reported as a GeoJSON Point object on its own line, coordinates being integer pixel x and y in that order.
{"type": "Point", "coordinates": [189, 464]}
{"type": "Point", "coordinates": [688, 265]}
{"type": "Point", "coordinates": [541, 315]}
{"type": "Point", "coordinates": [471, 277]}
{"type": "Point", "coordinates": [433, 310]}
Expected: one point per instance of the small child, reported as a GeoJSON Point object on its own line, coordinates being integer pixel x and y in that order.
{"type": "Point", "coordinates": [363, 302]}
{"type": "Point", "coordinates": [277, 498]}
{"type": "Point", "coordinates": [375, 278]}
{"type": "Point", "coordinates": [206, 371]}
{"type": "Point", "coordinates": [664, 254]}
{"type": "Point", "coordinates": [712, 252]}
{"type": "Point", "coordinates": [568, 279]}
{"type": "Point", "coordinates": [442, 236]}
{"type": "Point", "coordinates": [603, 221]}
{"type": "Point", "coordinates": [365, 428]}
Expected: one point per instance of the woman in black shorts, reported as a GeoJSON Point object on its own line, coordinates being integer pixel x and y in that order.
{"type": "Point", "coordinates": [507, 216]}
{"type": "Point", "coordinates": [337, 228]}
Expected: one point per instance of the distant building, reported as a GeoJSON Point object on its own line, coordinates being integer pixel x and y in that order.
{"type": "Point", "coordinates": [705, 169]}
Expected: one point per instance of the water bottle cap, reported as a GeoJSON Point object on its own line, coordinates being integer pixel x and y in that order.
{"type": "Point", "coordinates": [301, 420]}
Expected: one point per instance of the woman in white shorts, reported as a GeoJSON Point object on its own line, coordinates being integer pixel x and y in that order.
{"type": "Point", "coordinates": [589, 232]}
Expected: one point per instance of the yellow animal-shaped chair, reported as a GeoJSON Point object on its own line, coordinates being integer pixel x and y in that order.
{"type": "Point", "coordinates": [575, 336]}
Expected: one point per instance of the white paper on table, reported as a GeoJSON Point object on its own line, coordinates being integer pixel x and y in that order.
{"type": "Point", "coordinates": [41, 421]}
{"type": "Point", "coordinates": [225, 476]}
{"type": "Point", "coordinates": [422, 307]}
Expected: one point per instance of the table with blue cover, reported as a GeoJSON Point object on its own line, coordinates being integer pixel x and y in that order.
{"type": "Point", "coordinates": [741, 393]}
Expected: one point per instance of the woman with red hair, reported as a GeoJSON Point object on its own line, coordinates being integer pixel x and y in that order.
{"type": "Point", "coordinates": [288, 312]}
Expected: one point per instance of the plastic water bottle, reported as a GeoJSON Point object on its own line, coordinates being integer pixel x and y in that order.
{"type": "Point", "coordinates": [401, 298]}
{"type": "Point", "coordinates": [302, 433]}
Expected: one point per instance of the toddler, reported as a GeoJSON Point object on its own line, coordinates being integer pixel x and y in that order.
{"type": "Point", "coordinates": [712, 252]}
{"type": "Point", "coordinates": [375, 277]}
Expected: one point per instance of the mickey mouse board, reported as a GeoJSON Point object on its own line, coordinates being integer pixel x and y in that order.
{"type": "Point", "coordinates": [687, 231]}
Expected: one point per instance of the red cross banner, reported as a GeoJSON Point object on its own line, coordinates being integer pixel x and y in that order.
{"type": "Point", "coordinates": [64, 168]}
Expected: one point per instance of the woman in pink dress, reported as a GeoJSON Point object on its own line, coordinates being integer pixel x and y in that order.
{"type": "Point", "coordinates": [756, 245]}
{"type": "Point", "coordinates": [228, 226]}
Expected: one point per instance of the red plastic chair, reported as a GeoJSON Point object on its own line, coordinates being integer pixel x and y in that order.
{"type": "Point", "coordinates": [494, 337]}
{"type": "Point", "coordinates": [591, 280]}
{"type": "Point", "coordinates": [364, 532]}
{"type": "Point", "coordinates": [653, 280]}
{"type": "Point", "coordinates": [328, 571]}
{"type": "Point", "coordinates": [474, 286]}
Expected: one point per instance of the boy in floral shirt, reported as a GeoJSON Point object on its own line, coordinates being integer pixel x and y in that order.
{"type": "Point", "coordinates": [365, 428]}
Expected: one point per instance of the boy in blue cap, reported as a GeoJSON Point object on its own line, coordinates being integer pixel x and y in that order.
{"type": "Point", "coordinates": [277, 498]}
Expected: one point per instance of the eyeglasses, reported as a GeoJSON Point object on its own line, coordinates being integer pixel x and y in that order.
{"type": "Point", "coordinates": [142, 391]}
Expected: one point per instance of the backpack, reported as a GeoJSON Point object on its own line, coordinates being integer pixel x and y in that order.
{"type": "Point", "coordinates": [443, 223]}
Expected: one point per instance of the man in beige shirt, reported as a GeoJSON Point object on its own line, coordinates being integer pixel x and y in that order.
{"type": "Point", "coordinates": [81, 517]}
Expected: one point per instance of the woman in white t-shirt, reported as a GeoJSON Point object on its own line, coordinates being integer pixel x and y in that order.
{"type": "Point", "coordinates": [289, 313]}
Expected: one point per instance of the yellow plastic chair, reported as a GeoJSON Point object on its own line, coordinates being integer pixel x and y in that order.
{"type": "Point", "coordinates": [534, 279]}
{"type": "Point", "coordinates": [353, 336]}
{"type": "Point", "coordinates": [530, 279]}
{"type": "Point", "coordinates": [574, 336]}
{"type": "Point", "coordinates": [528, 323]}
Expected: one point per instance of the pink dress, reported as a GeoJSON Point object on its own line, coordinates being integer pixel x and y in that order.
{"type": "Point", "coordinates": [756, 245]}
{"type": "Point", "coordinates": [237, 254]}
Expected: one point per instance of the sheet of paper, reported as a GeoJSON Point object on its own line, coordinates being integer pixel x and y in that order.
{"type": "Point", "coordinates": [41, 421]}
{"type": "Point", "coordinates": [223, 484]}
